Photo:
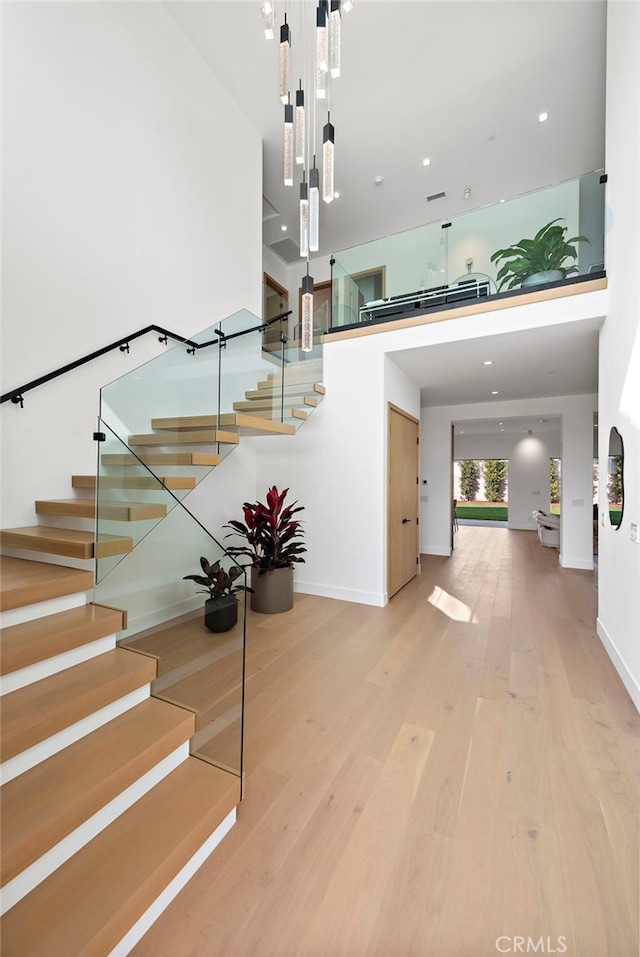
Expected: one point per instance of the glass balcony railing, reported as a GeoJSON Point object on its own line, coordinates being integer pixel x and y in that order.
{"type": "Point", "coordinates": [165, 427]}
{"type": "Point", "coordinates": [443, 264]}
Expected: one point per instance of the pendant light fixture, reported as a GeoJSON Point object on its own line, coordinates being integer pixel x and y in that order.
{"type": "Point", "coordinates": [328, 141]}
{"type": "Point", "coordinates": [288, 145]}
{"type": "Point", "coordinates": [319, 52]}
{"type": "Point", "coordinates": [304, 217]}
{"type": "Point", "coordinates": [314, 208]}
{"type": "Point", "coordinates": [307, 312]}
{"type": "Point", "coordinates": [300, 128]}
{"type": "Point", "coordinates": [335, 26]}
{"type": "Point", "coordinates": [285, 61]}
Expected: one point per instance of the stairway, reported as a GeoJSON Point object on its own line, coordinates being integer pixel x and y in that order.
{"type": "Point", "coordinates": [103, 809]}
{"type": "Point", "coordinates": [109, 799]}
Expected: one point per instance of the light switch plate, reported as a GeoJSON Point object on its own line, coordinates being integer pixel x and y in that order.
{"type": "Point", "coordinates": [634, 533]}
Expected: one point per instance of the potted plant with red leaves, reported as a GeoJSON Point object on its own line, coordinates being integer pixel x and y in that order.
{"type": "Point", "coordinates": [221, 607]}
{"type": "Point", "coordinates": [272, 544]}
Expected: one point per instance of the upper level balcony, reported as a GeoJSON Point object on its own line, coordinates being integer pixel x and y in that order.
{"type": "Point", "coordinates": [550, 239]}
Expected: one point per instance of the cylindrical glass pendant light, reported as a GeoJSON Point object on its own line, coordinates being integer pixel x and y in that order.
{"type": "Point", "coordinates": [304, 218]}
{"type": "Point", "coordinates": [322, 62]}
{"type": "Point", "coordinates": [267, 13]}
{"type": "Point", "coordinates": [328, 141]}
{"type": "Point", "coordinates": [288, 145]}
{"type": "Point", "coordinates": [307, 312]}
{"type": "Point", "coordinates": [314, 209]}
{"type": "Point", "coordinates": [300, 131]}
{"type": "Point", "coordinates": [335, 28]}
{"type": "Point", "coordinates": [285, 61]}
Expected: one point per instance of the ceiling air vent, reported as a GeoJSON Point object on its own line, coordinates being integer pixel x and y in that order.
{"type": "Point", "coordinates": [287, 249]}
{"type": "Point", "coordinates": [433, 196]}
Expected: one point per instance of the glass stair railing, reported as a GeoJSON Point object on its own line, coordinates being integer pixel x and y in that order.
{"type": "Point", "coordinates": [163, 428]}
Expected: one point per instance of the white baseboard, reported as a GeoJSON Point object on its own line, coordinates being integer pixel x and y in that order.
{"type": "Point", "coordinates": [172, 890]}
{"type": "Point", "coordinates": [584, 564]}
{"type": "Point", "coordinates": [619, 663]}
{"type": "Point", "coordinates": [378, 599]}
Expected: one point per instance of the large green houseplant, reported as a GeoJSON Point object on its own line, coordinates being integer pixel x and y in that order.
{"type": "Point", "coordinates": [545, 258]}
{"type": "Point", "coordinates": [272, 545]}
{"type": "Point", "coordinates": [220, 584]}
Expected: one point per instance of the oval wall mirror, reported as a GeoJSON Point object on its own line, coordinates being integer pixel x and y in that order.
{"type": "Point", "coordinates": [615, 478]}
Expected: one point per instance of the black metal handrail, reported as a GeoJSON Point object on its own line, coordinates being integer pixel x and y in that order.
{"type": "Point", "coordinates": [17, 395]}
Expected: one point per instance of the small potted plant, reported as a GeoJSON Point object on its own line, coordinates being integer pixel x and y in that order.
{"type": "Point", "coordinates": [221, 607]}
{"type": "Point", "coordinates": [545, 258]}
{"type": "Point", "coordinates": [272, 545]}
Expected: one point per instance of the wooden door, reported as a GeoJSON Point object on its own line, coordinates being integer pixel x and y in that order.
{"type": "Point", "coordinates": [402, 499]}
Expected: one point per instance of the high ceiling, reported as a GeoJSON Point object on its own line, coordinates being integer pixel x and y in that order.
{"type": "Point", "coordinates": [462, 83]}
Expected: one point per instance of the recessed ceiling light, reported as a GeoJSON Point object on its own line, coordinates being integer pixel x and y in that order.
{"type": "Point", "coordinates": [336, 195]}
{"type": "Point", "coordinates": [488, 362]}
{"type": "Point", "coordinates": [543, 117]}
{"type": "Point", "coordinates": [500, 423]}
{"type": "Point", "coordinates": [503, 200]}
{"type": "Point", "coordinates": [426, 161]}
{"type": "Point", "coordinates": [502, 430]}
{"type": "Point", "coordinates": [466, 192]}
{"type": "Point", "coordinates": [378, 180]}
{"type": "Point", "coordinates": [495, 392]}
{"type": "Point", "coordinates": [283, 228]}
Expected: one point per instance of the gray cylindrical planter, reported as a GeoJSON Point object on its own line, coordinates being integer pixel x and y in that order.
{"type": "Point", "coordinates": [549, 275]}
{"type": "Point", "coordinates": [273, 591]}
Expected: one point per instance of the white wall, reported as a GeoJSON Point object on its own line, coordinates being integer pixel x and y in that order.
{"type": "Point", "coordinates": [619, 557]}
{"type": "Point", "coordinates": [528, 470]}
{"type": "Point", "coordinates": [123, 206]}
{"type": "Point", "coordinates": [336, 465]}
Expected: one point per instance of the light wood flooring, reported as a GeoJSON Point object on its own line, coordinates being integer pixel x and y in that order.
{"type": "Point", "coordinates": [444, 777]}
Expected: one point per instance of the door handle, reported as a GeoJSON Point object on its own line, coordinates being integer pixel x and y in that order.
{"type": "Point", "coordinates": [405, 520]}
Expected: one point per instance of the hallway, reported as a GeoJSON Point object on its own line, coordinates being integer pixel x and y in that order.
{"type": "Point", "coordinates": [430, 779]}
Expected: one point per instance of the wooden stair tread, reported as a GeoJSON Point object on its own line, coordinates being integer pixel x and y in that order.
{"type": "Point", "coordinates": [41, 709]}
{"type": "Point", "coordinates": [114, 511]}
{"type": "Point", "coordinates": [162, 458]}
{"type": "Point", "coordinates": [70, 542]}
{"type": "Point", "coordinates": [244, 424]}
{"type": "Point", "coordinates": [290, 391]}
{"type": "Point", "coordinates": [42, 638]}
{"type": "Point", "coordinates": [273, 405]}
{"type": "Point", "coordinates": [48, 802]}
{"type": "Point", "coordinates": [173, 482]}
{"type": "Point", "coordinates": [89, 903]}
{"type": "Point", "coordinates": [23, 582]}
{"type": "Point", "coordinates": [195, 437]}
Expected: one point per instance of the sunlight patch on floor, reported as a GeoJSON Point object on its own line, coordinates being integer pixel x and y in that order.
{"type": "Point", "coordinates": [451, 607]}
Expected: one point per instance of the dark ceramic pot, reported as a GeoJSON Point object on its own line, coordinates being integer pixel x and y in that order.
{"type": "Point", "coordinates": [220, 614]}
{"type": "Point", "coordinates": [273, 591]}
